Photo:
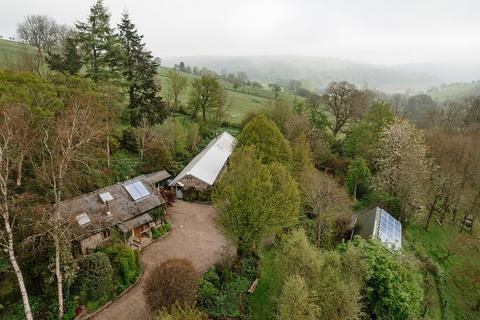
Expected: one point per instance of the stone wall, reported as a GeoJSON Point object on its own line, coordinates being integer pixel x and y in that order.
{"type": "Point", "coordinates": [92, 242]}
{"type": "Point", "coordinates": [192, 182]}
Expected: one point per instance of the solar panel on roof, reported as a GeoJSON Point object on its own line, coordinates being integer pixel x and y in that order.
{"type": "Point", "coordinates": [137, 190]}
{"type": "Point", "coordinates": [141, 189]}
{"type": "Point", "coordinates": [390, 230]}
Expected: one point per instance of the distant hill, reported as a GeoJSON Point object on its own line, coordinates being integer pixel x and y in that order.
{"type": "Point", "coordinates": [456, 91]}
{"type": "Point", "coordinates": [312, 71]}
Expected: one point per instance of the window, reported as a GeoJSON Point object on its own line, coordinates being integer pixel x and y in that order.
{"type": "Point", "coordinates": [106, 233]}
{"type": "Point", "coordinates": [83, 219]}
{"type": "Point", "coordinates": [106, 196]}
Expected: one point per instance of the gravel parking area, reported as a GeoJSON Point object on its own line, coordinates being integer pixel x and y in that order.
{"type": "Point", "coordinates": [194, 236]}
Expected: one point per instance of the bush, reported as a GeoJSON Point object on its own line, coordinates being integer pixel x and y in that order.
{"type": "Point", "coordinates": [174, 280]}
{"type": "Point", "coordinates": [129, 140]}
{"type": "Point", "coordinates": [192, 194]}
{"type": "Point", "coordinates": [179, 312]}
{"type": "Point", "coordinates": [219, 289]}
{"type": "Point", "coordinates": [156, 233]}
{"type": "Point", "coordinates": [125, 262]}
{"type": "Point", "coordinates": [95, 280]}
{"type": "Point", "coordinates": [162, 230]}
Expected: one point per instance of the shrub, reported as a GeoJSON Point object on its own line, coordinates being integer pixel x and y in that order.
{"type": "Point", "coordinates": [162, 230]}
{"type": "Point", "coordinates": [95, 280]}
{"type": "Point", "coordinates": [156, 233]}
{"type": "Point", "coordinates": [219, 291]}
{"type": "Point", "coordinates": [179, 312]}
{"type": "Point", "coordinates": [125, 262]}
{"type": "Point", "coordinates": [129, 140]}
{"type": "Point", "coordinates": [173, 280]}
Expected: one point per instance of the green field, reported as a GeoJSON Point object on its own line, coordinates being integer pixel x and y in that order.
{"type": "Point", "coordinates": [456, 92]}
{"type": "Point", "coordinates": [11, 52]}
{"type": "Point", "coordinates": [454, 295]}
{"type": "Point", "coordinates": [241, 100]}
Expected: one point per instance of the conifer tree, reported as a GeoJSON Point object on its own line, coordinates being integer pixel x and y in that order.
{"type": "Point", "coordinates": [99, 44]}
{"type": "Point", "coordinates": [70, 61]}
{"type": "Point", "coordinates": [139, 69]}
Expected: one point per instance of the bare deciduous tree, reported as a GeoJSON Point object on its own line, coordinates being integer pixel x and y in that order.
{"type": "Point", "coordinates": [345, 102]}
{"type": "Point", "coordinates": [41, 32]}
{"type": "Point", "coordinates": [8, 152]}
{"type": "Point", "coordinates": [66, 143]}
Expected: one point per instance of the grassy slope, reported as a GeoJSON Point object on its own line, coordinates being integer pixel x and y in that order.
{"type": "Point", "coordinates": [11, 51]}
{"type": "Point", "coordinates": [453, 287]}
{"type": "Point", "coordinates": [456, 92]}
{"type": "Point", "coordinates": [242, 100]}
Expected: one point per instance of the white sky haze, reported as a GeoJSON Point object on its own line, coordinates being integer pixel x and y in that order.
{"type": "Point", "coordinates": [374, 31]}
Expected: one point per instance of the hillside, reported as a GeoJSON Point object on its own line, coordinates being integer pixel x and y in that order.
{"type": "Point", "coordinates": [241, 100]}
{"type": "Point", "coordinates": [11, 52]}
{"type": "Point", "coordinates": [312, 71]}
{"type": "Point", "coordinates": [457, 91]}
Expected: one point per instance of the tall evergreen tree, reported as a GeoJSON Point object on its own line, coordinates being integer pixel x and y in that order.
{"type": "Point", "coordinates": [139, 70]}
{"type": "Point", "coordinates": [69, 61]}
{"type": "Point", "coordinates": [100, 44]}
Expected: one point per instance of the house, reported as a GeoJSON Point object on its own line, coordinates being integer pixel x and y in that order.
{"type": "Point", "coordinates": [206, 167]}
{"type": "Point", "coordinates": [131, 208]}
{"type": "Point", "coordinates": [379, 224]}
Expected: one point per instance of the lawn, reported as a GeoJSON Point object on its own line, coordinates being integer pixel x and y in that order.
{"type": "Point", "coordinates": [455, 294]}
{"type": "Point", "coordinates": [262, 303]}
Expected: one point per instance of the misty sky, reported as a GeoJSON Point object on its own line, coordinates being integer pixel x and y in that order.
{"type": "Point", "coordinates": [374, 31]}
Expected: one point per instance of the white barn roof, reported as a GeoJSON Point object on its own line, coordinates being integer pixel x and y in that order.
{"type": "Point", "coordinates": [209, 162]}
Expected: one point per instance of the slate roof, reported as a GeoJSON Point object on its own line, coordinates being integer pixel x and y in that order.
{"type": "Point", "coordinates": [209, 162]}
{"type": "Point", "coordinates": [122, 208]}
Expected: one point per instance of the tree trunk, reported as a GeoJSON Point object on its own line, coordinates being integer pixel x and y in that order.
{"type": "Point", "coordinates": [16, 267]}
{"type": "Point", "coordinates": [18, 181]}
{"type": "Point", "coordinates": [58, 274]}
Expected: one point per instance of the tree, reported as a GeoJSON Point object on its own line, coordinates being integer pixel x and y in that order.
{"type": "Point", "coordinates": [333, 284]}
{"type": "Point", "coordinates": [297, 300]}
{"type": "Point", "coordinates": [95, 281]}
{"type": "Point", "coordinates": [362, 140]}
{"type": "Point", "coordinates": [139, 70]}
{"type": "Point", "coordinates": [255, 200]}
{"type": "Point", "coordinates": [206, 95]}
{"type": "Point", "coordinates": [276, 90]}
{"type": "Point", "coordinates": [66, 142]}
{"type": "Point", "coordinates": [179, 312]}
{"type": "Point", "coordinates": [42, 33]}
{"type": "Point", "coordinates": [402, 166]}
{"type": "Point", "coordinates": [358, 177]}
{"type": "Point", "coordinates": [99, 44]}
{"type": "Point", "coordinates": [325, 201]}
{"type": "Point", "coordinates": [7, 152]}
{"type": "Point", "coordinates": [172, 281]}
{"type": "Point", "coordinates": [177, 84]}
{"type": "Point", "coordinates": [262, 133]}
{"type": "Point", "coordinates": [393, 289]}
{"type": "Point", "coordinates": [68, 61]}
{"type": "Point", "coordinates": [345, 102]}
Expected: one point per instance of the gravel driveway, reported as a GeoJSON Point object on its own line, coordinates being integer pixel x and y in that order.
{"type": "Point", "coordinates": [194, 236]}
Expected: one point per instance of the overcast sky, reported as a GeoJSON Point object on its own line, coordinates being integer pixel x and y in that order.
{"type": "Point", "coordinates": [374, 31]}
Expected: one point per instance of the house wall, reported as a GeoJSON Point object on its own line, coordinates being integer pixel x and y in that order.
{"type": "Point", "coordinates": [192, 182]}
{"type": "Point", "coordinates": [92, 242]}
